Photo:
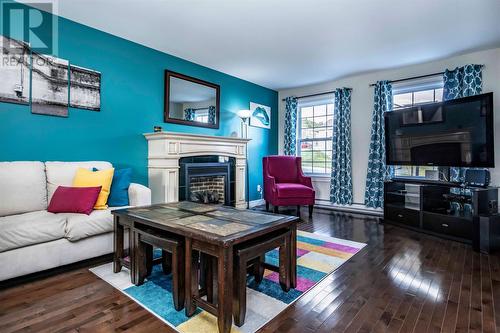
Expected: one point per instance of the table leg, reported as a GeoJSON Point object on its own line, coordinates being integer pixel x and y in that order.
{"type": "Point", "coordinates": [293, 257]}
{"type": "Point", "coordinates": [191, 277]}
{"type": "Point", "coordinates": [177, 263]}
{"type": "Point", "coordinates": [117, 245]}
{"type": "Point", "coordinates": [225, 289]}
{"type": "Point", "coordinates": [166, 261]}
{"type": "Point", "coordinates": [140, 260]}
{"type": "Point", "coordinates": [240, 290]}
{"type": "Point", "coordinates": [285, 264]}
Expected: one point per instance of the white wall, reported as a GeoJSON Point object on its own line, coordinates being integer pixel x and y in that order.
{"type": "Point", "coordinates": [362, 107]}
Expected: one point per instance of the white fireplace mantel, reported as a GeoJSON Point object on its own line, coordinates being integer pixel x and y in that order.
{"type": "Point", "coordinates": [166, 148]}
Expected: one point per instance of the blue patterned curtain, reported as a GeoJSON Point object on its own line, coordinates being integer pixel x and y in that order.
{"type": "Point", "coordinates": [290, 126]}
{"type": "Point", "coordinates": [189, 114]}
{"type": "Point", "coordinates": [341, 180]}
{"type": "Point", "coordinates": [377, 171]}
{"type": "Point", "coordinates": [211, 114]}
{"type": "Point", "coordinates": [462, 82]}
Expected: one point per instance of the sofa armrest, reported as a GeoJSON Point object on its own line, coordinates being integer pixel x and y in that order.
{"type": "Point", "coordinates": [139, 195]}
{"type": "Point", "coordinates": [269, 186]}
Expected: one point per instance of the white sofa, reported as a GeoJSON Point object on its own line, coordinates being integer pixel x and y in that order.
{"type": "Point", "coordinates": [32, 239]}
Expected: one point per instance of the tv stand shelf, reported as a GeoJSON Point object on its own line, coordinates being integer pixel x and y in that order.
{"type": "Point", "coordinates": [466, 214]}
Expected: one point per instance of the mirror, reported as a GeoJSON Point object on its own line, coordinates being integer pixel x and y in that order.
{"type": "Point", "coordinates": [190, 101]}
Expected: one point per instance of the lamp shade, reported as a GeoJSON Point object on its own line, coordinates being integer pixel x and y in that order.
{"type": "Point", "coordinates": [244, 114]}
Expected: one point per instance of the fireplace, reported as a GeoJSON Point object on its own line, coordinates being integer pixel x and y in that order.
{"type": "Point", "coordinates": [207, 179]}
{"type": "Point", "coordinates": [166, 149]}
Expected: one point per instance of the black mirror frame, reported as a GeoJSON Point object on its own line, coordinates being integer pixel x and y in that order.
{"type": "Point", "coordinates": [167, 119]}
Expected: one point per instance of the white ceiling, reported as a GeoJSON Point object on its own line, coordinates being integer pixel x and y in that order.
{"type": "Point", "coordinates": [289, 43]}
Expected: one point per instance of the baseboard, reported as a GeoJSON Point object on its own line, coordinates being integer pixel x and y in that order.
{"type": "Point", "coordinates": [354, 208]}
{"type": "Point", "coordinates": [54, 271]}
{"type": "Point", "coordinates": [258, 202]}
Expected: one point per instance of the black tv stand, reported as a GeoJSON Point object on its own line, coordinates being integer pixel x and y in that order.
{"type": "Point", "coordinates": [425, 181]}
{"type": "Point", "coordinates": [445, 209]}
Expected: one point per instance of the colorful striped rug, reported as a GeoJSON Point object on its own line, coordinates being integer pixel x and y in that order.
{"type": "Point", "coordinates": [317, 256]}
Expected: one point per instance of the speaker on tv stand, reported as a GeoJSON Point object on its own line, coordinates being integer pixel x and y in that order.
{"type": "Point", "coordinates": [486, 238]}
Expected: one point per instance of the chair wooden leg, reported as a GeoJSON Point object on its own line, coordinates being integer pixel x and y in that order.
{"type": "Point", "coordinates": [275, 210]}
{"type": "Point", "coordinates": [239, 291]}
{"type": "Point", "coordinates": [166, 262]}
{"type": "Point", "coordinates": [207, 272]}
{"type": "Point", "coordinates": [298, 210]}
{"type": "Point", "coordinates": [118, 245]}
{"type": "Point", "coordinates": [311, 210]}
{"type": "Point", "coordinates": [149, 259]}
{"type": "Point", "coordinates": [258, 269]}
{"type": "Point", "coordinates": [267, 206]}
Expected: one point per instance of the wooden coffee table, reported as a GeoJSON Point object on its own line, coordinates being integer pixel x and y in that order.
{"type": "Point", "coordinates": [214, 230]}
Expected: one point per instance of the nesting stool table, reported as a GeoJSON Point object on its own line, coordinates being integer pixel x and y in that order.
{"type": "Point", "coordinates": [212, 231]}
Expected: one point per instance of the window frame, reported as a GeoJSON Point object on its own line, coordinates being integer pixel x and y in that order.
{"type": "Point", "coordinates": [202, 113]}
{"type": "Point", "coordinates": [432, 83]}
{"type": "Point", "coordinates": [324, 100]}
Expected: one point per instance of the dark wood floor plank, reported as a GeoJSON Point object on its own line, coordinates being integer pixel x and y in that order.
{"type": "Point", "coordinates": [462, 324]}
{"type": "Point", "coordinates": [495, 285]}
{"type": "Point", "coordinates": [438, 290]}
{"type": "Point", "coordinates": [475, 314]}
{"type": "Point", "coordinates": [487, 305]}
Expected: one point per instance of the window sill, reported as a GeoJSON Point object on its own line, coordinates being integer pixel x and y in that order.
{"type": "Point", "coordinates": [323, 178]}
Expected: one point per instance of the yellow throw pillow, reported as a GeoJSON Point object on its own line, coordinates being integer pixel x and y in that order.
{"type": "Point", "coordinates": [88, 178]}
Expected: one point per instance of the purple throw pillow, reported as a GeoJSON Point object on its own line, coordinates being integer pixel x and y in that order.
{"type": "Point", "coordinates": [74, 199]}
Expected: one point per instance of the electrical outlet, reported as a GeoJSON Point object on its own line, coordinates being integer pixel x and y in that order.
{"type": "Point", "coordinates": [259, 188]}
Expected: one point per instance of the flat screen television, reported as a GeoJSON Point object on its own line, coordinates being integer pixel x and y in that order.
{"type": "Point", "coordinates": [455, 133]}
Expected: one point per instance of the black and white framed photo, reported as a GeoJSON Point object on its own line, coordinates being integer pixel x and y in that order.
{"type": "Point", "coordinates": [14, 71]}
{"type": "Point", "coordinates": [85, 88]}
{"type": "Point", "coordinates": [260, 116]}
{"type": "Point", "coordinates": [50, 86]}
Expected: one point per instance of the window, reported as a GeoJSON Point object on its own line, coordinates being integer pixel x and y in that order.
{"type": "Point", "coordinates": [412, 98]}
{"type": "Point", "coordinates": [315, 129]}
{"type": "Point", "coordinates": [408, 95]}
{"type": "Point", "coordinates": [201, 116]}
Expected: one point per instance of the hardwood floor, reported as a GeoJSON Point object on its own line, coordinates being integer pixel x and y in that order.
{"type": "Point", "coordinates": [402, 281]}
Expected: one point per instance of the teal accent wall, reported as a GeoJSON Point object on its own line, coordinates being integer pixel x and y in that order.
{"type": "Point", "coordinates": [131, 104]}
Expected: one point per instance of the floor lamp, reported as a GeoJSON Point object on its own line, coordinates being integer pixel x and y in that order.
{"type": "Point", "coordinates": [245, 119]}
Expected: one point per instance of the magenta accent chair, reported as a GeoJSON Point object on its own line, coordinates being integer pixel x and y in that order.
{"type": "Point", "coordinates": [285, 184]}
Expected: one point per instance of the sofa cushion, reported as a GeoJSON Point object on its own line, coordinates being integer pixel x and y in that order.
{"type": "Point", "coordinates": [29, 229]}
{"type": "Point", "coordinates": [291, 190]}
{"type": "Point", "coordinates": [103, 178]}
{"type": "Point", "coordinates": [23, 187]}
{"type": "Point", "coordinates": [74, 200]}
{"type": "Point", "coordinates": [63, 173]}
{"type": "Point", "coordinates": [118, 195]}
{"type": "Point", "coordinates": [79, 226]}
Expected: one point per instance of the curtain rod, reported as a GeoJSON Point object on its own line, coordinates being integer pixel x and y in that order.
{"type": "Point", "coordinates": [412, 78]}
{"type": "Point", "coordinates": [318, 94]}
